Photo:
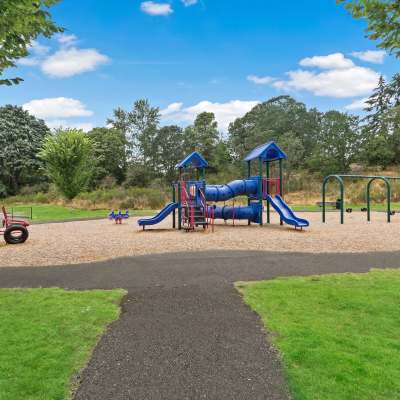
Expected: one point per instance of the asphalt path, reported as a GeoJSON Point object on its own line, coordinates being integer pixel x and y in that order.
{"type": "Point", "coordinates": [184, 331]}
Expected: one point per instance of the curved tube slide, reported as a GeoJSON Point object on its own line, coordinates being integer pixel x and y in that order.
{"type": "Point", "coordinates": [233, 189]}
{"type": "Point", "coordinates": [286, 213]}
{"type": "Point", "coordinates": [251, 213]}
{"type": "Point", "coordinates": [160, 216]}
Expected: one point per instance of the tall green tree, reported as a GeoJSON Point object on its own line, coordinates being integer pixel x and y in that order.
{"type": "Point", "coordinates": [169, 150]}
{"type": "Point", "coordinates": [294, 149]}
{"type": "Point", "coordinates": [222, 157]}
{"type": "Point", "coordinates": [377, 106]}
{"type": "Point", "coordinates": [376, 148]}
{"type": "Point", "coordinates": [140, 127]}
{"type": "Point", "coordinates": [394, 115]}
{"type": "Point", "coordinates": [21, 138]}
{"type": "Point", "coordinates": [270, 121]}
{"type": "Point", "coordinates": [337, 143]}
{"type": "Point", "coordinates": [22, 21]}
{"type": "Point", "coordinates": [382, 128]}
{"type": "Point", "coordinates": [68, 161]}
{"type": "Point", "coordinates": [203, 135]}
{"type": "Point", "coordinates": [109, 154]}
{"type": "Point", "coordinates": [383, 18]}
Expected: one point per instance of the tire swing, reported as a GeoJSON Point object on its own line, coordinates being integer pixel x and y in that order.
{"type": "Point", "coordinates": [16, 234]}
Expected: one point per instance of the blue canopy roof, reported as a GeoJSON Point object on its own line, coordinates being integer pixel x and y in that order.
{"type": "Point", "coordinates": [195, 159]}
{"type": "Point", "coordinates": [267, 152]}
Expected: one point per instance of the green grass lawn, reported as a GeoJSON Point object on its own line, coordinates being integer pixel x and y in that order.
{"type": "Point", "coordinates": [53, 213]}
{"type": "Point", "coordinates": [50, 212]}
{"type": "Point", "coordinates": [47, 336]}
{"type": "Point", "coordinates": [338, 334]}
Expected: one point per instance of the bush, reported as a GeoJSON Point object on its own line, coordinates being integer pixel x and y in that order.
{"type": "Point", "coordinates": [122, 198]}
{"type": "Point", "coordinates": [67, 157]}
{"type": "Point", "coordinates": [33, 189]}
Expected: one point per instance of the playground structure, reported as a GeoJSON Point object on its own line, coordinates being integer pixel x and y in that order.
{"type": "Point", "coordinates": [14, 231]}
{"type": "Point", "coordinates": [371, 179]}
{"type": "Point", "coordinates": [118, 217]}
{"type": "Point", "coordinates": [194, 202]}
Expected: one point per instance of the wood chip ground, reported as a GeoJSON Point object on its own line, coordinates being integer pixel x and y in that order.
{"type": "Point", "coordinates": [89, 241]}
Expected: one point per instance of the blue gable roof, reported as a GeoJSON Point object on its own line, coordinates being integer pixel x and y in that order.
{"type": "Point", "coordinates": [267, 152]}
{"type": "Point", "coordinates": [195, 159]}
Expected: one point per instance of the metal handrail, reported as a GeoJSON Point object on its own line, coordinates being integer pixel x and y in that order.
{"type": "Point", "coordinates": [341, 183]}
{"type": "Point", "coordinates": [388, 194]}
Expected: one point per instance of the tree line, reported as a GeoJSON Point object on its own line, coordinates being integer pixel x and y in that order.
{"type": "Point", "coordinates": [134, 149]}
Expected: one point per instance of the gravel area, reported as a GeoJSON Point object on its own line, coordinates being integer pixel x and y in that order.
{"type": "Point", "coordinates": [88, 241]}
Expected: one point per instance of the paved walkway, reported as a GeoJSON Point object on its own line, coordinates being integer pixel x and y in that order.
{"type": "Point", "coordinates": [184, 332]}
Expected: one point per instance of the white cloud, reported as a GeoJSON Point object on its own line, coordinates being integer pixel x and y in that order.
{"type": "Point", "coordinates": [37, 52]}
{"type": "Point", "coordinates": [358, 104]}
{"type": "Point", "coordinates": [57, 108]}
{"type": "Point", "coordinates": [72, 61]}
{"type": "Point", "coordinates": [153, 8]}
{"type": "Point", "coordinates": [260, 80]}
{"type": "Point", "coordinates": [67, 61]}
{"type": "Point", "coordinates": [188, 3]}
{"type": "Point", "coordinates": [29, 61]}
{"type": "Point", "coordinates": [355, 81]}
{"type": "Point", "coordinates": [66, 40]}
{"type": "Point", "coordinates": [62, 124]}
{"type": "Point", "coordinates": [339, 77]}
{"type": "Point", "coordinates": [225, 113]}
{"type": "Point", "coordinates": [331, 61]}
{"type": "Point", "coordinates": [84, 126]}
{"type": "Point", "coordinates": [371, 56]}
{"type": "Point", "coordinates": [38, 49]}
{"type": "Point", "coordinates": [172, 108]}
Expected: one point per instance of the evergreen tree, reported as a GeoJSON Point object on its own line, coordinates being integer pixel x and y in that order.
{"type": "Point", "coordinates": [378, 105]}
{"type": "Point", "coordinates": [377, 131]}
{"type": "Point", "coordinates": [394, 116]}
{"type": "Point", "coordinates": [383, 124]}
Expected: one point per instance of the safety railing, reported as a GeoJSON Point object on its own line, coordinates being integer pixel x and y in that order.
{"type": "Point", "coordinates": [209, 212]}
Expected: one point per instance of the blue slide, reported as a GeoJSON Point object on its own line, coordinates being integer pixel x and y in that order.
{"type": "Point", "coordinates": [160, 216]}
{"type": "Point", "coordinates": [286, 213]}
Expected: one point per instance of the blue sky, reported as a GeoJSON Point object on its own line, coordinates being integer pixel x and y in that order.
{"type": "Point", "coordinates": [188, 56]}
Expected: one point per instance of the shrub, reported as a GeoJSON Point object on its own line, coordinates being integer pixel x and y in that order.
{"type": "Point", "coordinates": [122, 198]}
{"type": "Point", "coordinates": [67, 157]}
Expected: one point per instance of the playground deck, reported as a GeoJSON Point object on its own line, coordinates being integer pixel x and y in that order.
{"type": "Point", "coordinates": [89, 241]}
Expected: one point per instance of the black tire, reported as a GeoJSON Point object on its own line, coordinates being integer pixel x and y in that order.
{"type": "Point", "coordinates": [16, 234]}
